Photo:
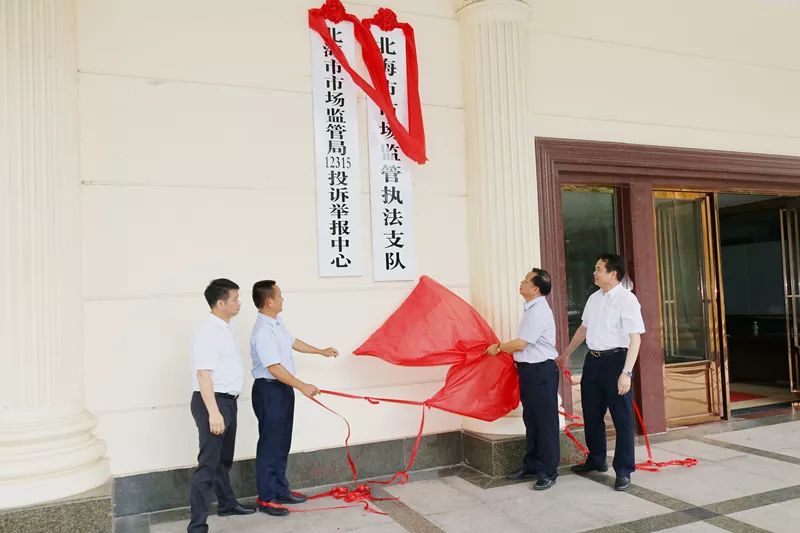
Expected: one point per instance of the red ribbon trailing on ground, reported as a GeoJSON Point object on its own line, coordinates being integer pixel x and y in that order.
{"type": "Point", "coordinates": [433, 326]}
{"type": "Point", "coordinates": [361, 495]}
{"type": "Point", "coordinates": [650, 465]}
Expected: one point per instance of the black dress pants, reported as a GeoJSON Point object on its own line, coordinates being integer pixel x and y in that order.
{"type": "Point", "coordinates": [213, 462]}
{"type": "Point", "coordinates": [599, 393]}
{"type": "Point", "coordinates": [538, 386]}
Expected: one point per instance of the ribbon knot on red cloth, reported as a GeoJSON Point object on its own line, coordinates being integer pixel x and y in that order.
{"type": "Point", "coordinates": [333, 10]}
{"type": "Point", "coordinates": [386, 19]}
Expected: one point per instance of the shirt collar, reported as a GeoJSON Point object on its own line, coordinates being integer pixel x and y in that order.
{"type": "Point", "coordinates": [616, 290]}
{"type": "Point", "coordinates": [268, 319]}
{"type": "Point", "coordinates": [217, 320]}
{"type": "Point", "coordinates": [533, 302]}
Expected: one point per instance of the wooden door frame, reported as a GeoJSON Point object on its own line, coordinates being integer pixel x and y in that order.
{"type": "Point", "coordinates": [637, 170]}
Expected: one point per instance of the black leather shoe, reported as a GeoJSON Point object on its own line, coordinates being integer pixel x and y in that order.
{"type": "Point", "coordinates": [273, 511]}
{"type": "Point", "coordinates": [622, 483]}
{"type": "Point", "coordinates": [544, 483]}
{"type": "Point", "coordinates": [588, 467]}
{"type": "Point", "coordinates": [291, 498]}
{"type": "Point", "coordinates": [230, 511]}
{"type": "Point", "coordinates": [520, 475]}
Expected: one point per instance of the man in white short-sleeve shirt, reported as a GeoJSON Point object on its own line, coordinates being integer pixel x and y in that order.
{"type": "Point", "coordinates": [272, 354]}
{"type": "Point", "coordinates": [612, 327]}
{"type": "Point", "coordinates": [217, 379]}
{"type": "Point", "coordinates": [534, 352]}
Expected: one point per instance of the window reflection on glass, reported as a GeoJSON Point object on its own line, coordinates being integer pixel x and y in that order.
{"type": "Point", "coordinates": [590, 229]}
{"type": "Point", "coordinates": [680, 233]}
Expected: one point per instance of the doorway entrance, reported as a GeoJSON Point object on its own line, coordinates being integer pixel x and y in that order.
{"type": "Point", "coordinates": [759, 253]}
{"type": "Point", "coordinates": [659, 209]}
{"type": "Point", "coordinates": [690, 306]}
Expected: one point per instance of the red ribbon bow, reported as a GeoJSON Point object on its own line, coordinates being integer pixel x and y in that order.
{"type": "Point", "coordinates": [385, 19]}
{"type": "Point", "coordinates": [412, 138]}
{"type": "Point", "coordinates": [333, 10]}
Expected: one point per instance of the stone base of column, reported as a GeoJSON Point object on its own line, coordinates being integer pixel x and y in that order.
{"type": "Point", "coordinates": [88, 511]}
{"type": "Point", "coordinates": [511, 424]}
{"type": "Point", "coordinates": [49, 458]}
{"type": "Point", "coordinates": [497, 448]}
{"type": "Point", "coordinates": [500, 455]}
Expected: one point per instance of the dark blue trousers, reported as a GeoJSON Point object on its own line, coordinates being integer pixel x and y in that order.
{"type": "Point", "coordinates": [273, 403]}
{"type": "Point", "coordinates": [538, 387]}
{"type": "Point", "coordinates": [599, 393]}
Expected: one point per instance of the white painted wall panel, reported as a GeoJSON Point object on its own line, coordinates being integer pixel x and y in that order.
{"type": "Point", "coordinates": [164, 240]}
{"type": "Point", "coordinates": [155, 439]}
{"type": "Point", "coordinates": [251, 43]}
{"type": "Point", "coordinates": [140, 131]}
{"type": "Point", "coordinates": [608, 82]}
{"type": "Point", "coordinates": [761, 32]}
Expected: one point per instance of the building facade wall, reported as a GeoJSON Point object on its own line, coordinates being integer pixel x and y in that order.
{"type": "Point", "coordinates": [716, 75]}
{"type": "Point", "coordinates": [196, 161]}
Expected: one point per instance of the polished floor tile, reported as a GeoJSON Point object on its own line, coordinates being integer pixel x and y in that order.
{"type": "Point", "coordinates": [778, 517]}
{"type": "Point", "coordinates": [779, 438]}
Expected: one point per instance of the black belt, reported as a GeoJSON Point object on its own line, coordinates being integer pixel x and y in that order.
{"type": "Point", "coordinates": [270, 380]}
{"type": "Point", "coordinates": [226, 395]}
{"type": "Point", "coordinates": [519, 363]}
{"type": "Point", "coordinates": [603, 353]}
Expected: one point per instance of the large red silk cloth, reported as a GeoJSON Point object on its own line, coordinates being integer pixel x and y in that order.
{"type": "Point", "coordinates": [434, 326]}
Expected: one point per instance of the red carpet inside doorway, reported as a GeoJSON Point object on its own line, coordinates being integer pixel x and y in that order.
{"type": "Point", "coordinates": [743, 396]}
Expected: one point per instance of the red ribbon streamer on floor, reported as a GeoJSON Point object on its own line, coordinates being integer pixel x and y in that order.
{"type": "Point", "coordinates": [650, 465]}
{"type": "Point", "coordinates": [362, 493]}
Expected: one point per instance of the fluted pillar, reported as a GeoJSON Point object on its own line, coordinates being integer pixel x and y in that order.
{"type": "Point", "coordinates": [502, 191]}
{"type": "Point", "coordinates": [47, 449]}
{"type": "Point", "coordinates": [500, 165]}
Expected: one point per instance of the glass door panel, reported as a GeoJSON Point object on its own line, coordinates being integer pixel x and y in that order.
{"type": "Point", "coordinates": [683, 279]}
{"type": "Point", "coordinates": [790, 247]}
{"type": "Point", "coordinates": [590, 229]}
{"type": "Point", "coordinates": [689, 306]}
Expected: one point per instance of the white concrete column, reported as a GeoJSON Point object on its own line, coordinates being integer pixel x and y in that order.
{"type": "Point", "coordinates": [47, 449]}
{"type": "Point", "coordinates": [503, 229]}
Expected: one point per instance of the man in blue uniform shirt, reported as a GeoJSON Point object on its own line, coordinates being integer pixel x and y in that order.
{"type": "Point", "coordinates": [271, 350]}
{"type": "Point", "coordinates": [534, 352]}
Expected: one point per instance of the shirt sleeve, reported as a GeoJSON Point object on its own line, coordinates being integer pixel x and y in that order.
{"type": "Point", "coordinates": [587, 312]}
{"type": "Point", "coordinates": [205, 352]}
{"type": "Point", "coordinates": [532, 326]}
{"type": "Point", "coordinates": [632, 321]}
{"type": "Point", "coordinates": [267, 348]}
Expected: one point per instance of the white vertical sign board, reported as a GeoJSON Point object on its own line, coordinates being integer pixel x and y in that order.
{"type": "Point", "coordinates": [391, 195]}
{"type": "Point", "coordinates": [339, 222]}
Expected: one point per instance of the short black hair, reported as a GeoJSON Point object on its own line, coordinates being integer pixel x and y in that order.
{"type": "Point", "coordinates": [219, 289]}
{"type": "Point", "coordinates": [542, 280]}
{"type": "Point", "coordinates": [262, 290]}
{"type": "Point", "coordinates": [614, 263]}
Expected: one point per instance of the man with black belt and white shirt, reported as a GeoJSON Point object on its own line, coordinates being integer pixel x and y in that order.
{"type": "Point", "coordinates": [612, 327]}
{"type": "Point", "coordinates": [218, 379]}
{"type": "Point", "coordinates": [534, 352]}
